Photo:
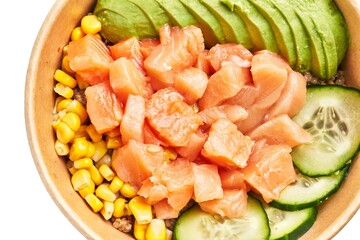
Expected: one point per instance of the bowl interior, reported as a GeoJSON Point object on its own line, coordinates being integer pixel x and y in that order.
{"type": "Point", "coordinates": [39, 102]}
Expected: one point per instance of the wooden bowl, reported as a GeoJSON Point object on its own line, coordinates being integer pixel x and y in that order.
{"type": "Point", "coordinates": [39, 97]}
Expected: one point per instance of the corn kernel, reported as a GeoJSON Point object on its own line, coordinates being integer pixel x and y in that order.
{"type": "Point", "coordinates": [72, 120]}
{"type": "Point", "coordinates": [98, 36]}
{"type": "Point", "coordinates": [61, 149]}
{"type": "Point", "coordinates": [94, 202]}
{"type": "Point", "coordinates": [85, 163]}
{"type": "Point", "coordinates": [70, 167]}
{"type": "Point", "coordinates": [113, 142]}
{"type": "Point", "coordinates": [156, 230]}
{"type": "Point", "coordinates": [82, 83]}
{"type": "Point", "coordinates": [94, 135]}
{"type": "Point", "coordinates": [107, 172]}
{"type": "Point", "coordinates": [100, 150]}
{"type": "Point", "coordinates": [141, 210]}
{"type": "Point", "coordinates": [64, 90]}
{"type": "Point", "coordinates": [114, 133]}
{"type": "Point", "coordinates": [64, 133]}
{"type": "Point", "coordinates": [81, 133]}
{"type": "Point", "coordinates": [128, 191]}
{"type": "Point", "coordinates": [81, 179]}
{"type": "Point", "coordinates": [57, 101]}
{"type": "Point", "coordinates": [107, 210]}
{"type": "Point", "coordinates": [91, 150]}
{"type": "Point", "coordinates": [79, 148]}
{"type": "Point", "coordinates": [76, 107]}
{"type": "Point", "coordinates": [65, 50]}
{"type": "Point", "coordinates": [96, 175]}
{"type": "Point", "coordinates": [63, 104]}
{"type": "Point", "coordinates": [119, 207]}
{"type": "Point", "coordinates": [106, 159]}
{"type": "Point", "coordinates": [64, 78]}
{"type": "Point", "coordinates": [66, 66]}
{"type": "Point", "coordinates": [90, 24]}
{"type": "Point", "coordinates": [169, 154]}
{"type": "Point", "coordinates": [127, 210]}
{"type": "Point", "coordinates": [140, 230]}
{"type": "Point", "coordinates": [87, 190]}
{"type": "Point", "coordinates": [77, 33]}
{"type": "Point", "coordinates": [103, 192]}
{"type": "Point", "coordinates": [116, 184]}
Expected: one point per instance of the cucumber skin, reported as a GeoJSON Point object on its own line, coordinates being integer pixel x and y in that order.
{"type": "Point", "coordinates": [290, 207]}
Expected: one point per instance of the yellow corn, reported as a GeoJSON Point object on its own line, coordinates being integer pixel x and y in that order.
{"type": "Point", "coordinates": [63, 104]}
{"type": "Point", "coordinates": [90, 24]}
{"type": "Point", "coordinates": [106, 159]}
{"type": "Point", "coordinates": [81, 133]}
{"type": "Point", "coordinates": [98, 36]}
{"type": "Point", "coordinates": [82, 84]}
{"type": "Point", "coordinates": [65, 50]}
{"type": "Point", "coordinates": [76, 107]}
{"type": "Point", "coordinates": [107, 172]}
{"type": "Point", "coordinates": [61, 149]}
{"type": "Point", "coordinates": [119, 207]}
{"type": "Point", "coordinates": [156, 230]}
{"type": "Point", "coordinates": [169, 154]}
{"type": "Point", "coordinates": [140, 230]}
{"type": "Point", "coordinates": [94, 202]}
{"type": "Point", "coordinates": [66, 66]}
{"type": "Point", "coordinates": [72, 120]}
{"type": "Point", "coordinates": [79, 148]}
{"type": "Point", "coordinates": [64, 90]}
{"type": "Point", "coordinates": [85, 163]}
{"type": "Point", "coordinates": [87, 190]}
{"type": "Point", "coordinates": [169, 234]}
{"type": "Point", "coordinates": [81, 179]}
{"type": "Point", "coordinates": [113, 142]}
{"type": "Point", "coordinates": [96, 175]}
{"type": "Point", "coordinates": [113, 133]}
{"type": "Point", "coordinates": [64, 78]}
{"type": "Point", "coordinates": [100, 150]}
{"type": "Point", "coordinates": [64, 133]}
{"type": "Point", "coordinates": [57, 101]}
{"type": "Point", "coordinates": [103, 192]}
{"type": "Point", "coordinates": [127, 210]}
{"type": "Point", "coordinates": [128, 191]}
{"type": "Point", "coordinates": [94, 135]}
{"type": "Point", "coordinates": [107, 210]}
{"type": "Point", "coordinates": [77, 33]}
{"type": "Point", "coordinates": [91, 150]}
{"type": "Point", "coordinates": [116, 184]}
{"type": "Point", "coordinates": [70, 167]}
{"type": "Point", "coordinates": [141, 210]}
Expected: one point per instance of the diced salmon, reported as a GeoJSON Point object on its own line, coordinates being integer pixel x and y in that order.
{"type": "Point", "coordinates": [132, 123]}
{"type": "Point", "coordinates": [163, 210]}
{"type": "Point", "coordinates": [153, 192]}
{"type": "Point", "coordinates": [245, 97]}
{"type": "Point", "coordinates": [90, 58]}
{"type": "Point", "coordinates": [222, 85]}
{"type": "Point", "coordinates": [191, 83]}
{"type": "Point", "coordinates": [176, 52]}
{"type": "Point", "coordinates": [194, 146]}
{"type": "Point", "coordinates": [126, 79]}
{"type": "Point", "coordinates": [207, 183]}
{"type": "Point", "coordinates": [150, 136]}
{"type": "Point", "coordinates": [292, 97]}
{"type": "Point", "coordinates": [129, 48]}
{"type": "Point", "coordinates": [147, 45]}
{"type": "Point", "coordinates": [231, 179]}
{"type": "Point", "coordinates": [255, 117]}
{"type": "Point", "coordinates": [171, 118]}
{"type": "Point", "coordinates": [135, 162]}
{"type": "Point", "coordinates": [271, 56]}
{"type": "Point", "coordinates": [179, 199]}
{"type": "Point", "coordinates": [226, 146]}
{"type": "Point", "coordinates": [270, 169]}
{"type": "Point", "coordinates": [281, 130]}
{"type": "Point", "coordinates": [232, 205]}
{"type": "Point", "coordinates": [203, 63]}
{"type": "Point", "coordinates": [103, 107]}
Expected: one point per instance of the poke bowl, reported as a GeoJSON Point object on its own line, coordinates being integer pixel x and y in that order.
{"type": "Point", "coordinates": [62, 110]}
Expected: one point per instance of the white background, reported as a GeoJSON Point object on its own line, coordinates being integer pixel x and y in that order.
{"type": "Point", "coordinates": [26, 208]}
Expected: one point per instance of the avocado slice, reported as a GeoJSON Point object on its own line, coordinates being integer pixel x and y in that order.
{"type": "Point", "coordinates": [234, 27]}
{"type": "Point", "coordinates": [260, 30]}
{"type": "Point", "coordinates": [154, 12]}
{"type": "Point", "coordinates": [321, 38]}
{"type": "Point", "coordinates": [338, 27]}
{"type": "Point", "coordinates": [113, 13]}
{"type": "Point", "coordinates": [210, 26]}
{"type": "Point", "coordinates": [178, 13]}
{"type": "Point", "coordinates": [280, 27]}
{"type": "Point", "coordinates": [301, 38]}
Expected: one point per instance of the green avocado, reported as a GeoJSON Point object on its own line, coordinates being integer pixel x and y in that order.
{"type": "Point", "coordinates": [280, 27]}
{"type": "Point", "coordinates": [154, 12]}
{"type": "Point", "coordinates": [260, 30]}
{"type": "Point", "coordinates": [122, 19]}
{"type": "Point", "coordinates": [338, 26]}
{"type": "Point", "coordinates": [178, 13]}
{"type": "Point", "coordinates": [234, 27]}
{"type": "Point", "coordinates": [322, 40]}
{"type": "Point", "coordinates": [210, 26]}
{"type": "Point", "coordinates": [301, 38]}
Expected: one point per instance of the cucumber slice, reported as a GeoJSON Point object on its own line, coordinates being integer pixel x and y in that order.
{"type": "Point", "coordinates": [289, 225]}
{"type": "Point", "coordinates": [331, 114]}
{"type": "Point", "coordinates": [309, 192]}
{"type": "Point", "coordinates": [195, 224]}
